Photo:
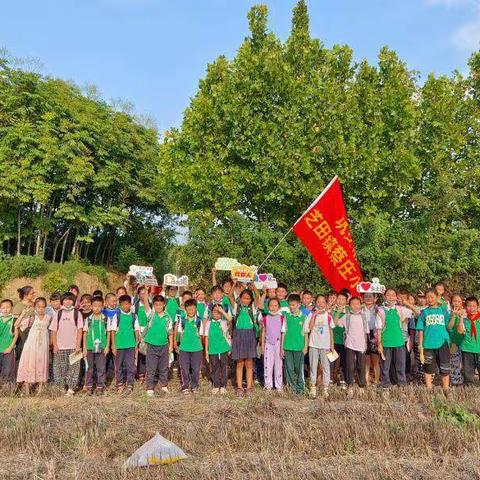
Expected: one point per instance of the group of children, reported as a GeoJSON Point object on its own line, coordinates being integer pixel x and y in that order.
{"type": "Point", "coordinates": [239, 333]}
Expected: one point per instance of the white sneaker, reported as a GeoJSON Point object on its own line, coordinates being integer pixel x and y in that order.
{"type": "Point", "coordinates": [223, 391]}
{"type": "Point", "coordinates": [70, 393]}
{"type": "Point", "coordinates": [313, 391]}
{"type": "Point", "coordinates": [215, 390]}
{"type": "Point", "coordinates": [150, 393]}
{"type": "Point", "coordinates": [165, 390]}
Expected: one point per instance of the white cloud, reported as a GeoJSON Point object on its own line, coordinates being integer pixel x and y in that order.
{"type": "Point", "coordinates": [467, 37]}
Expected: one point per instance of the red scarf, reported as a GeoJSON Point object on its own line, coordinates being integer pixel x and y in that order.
{"type": "Point", "coordinates": [473, 318]}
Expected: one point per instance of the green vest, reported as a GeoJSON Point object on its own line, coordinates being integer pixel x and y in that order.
{"type": "Point", "coordinates": [142, 315]}
{"type": "Point", "coordinates": [6, 332]}
{"type": "Point", "coordinates": [201, 307]}
{"type": "Point", "coordinates": [171, 308]}
{"type": "Point", "coordinates": [294, 336]}
{"type": "Point", "coordinates": [125, 336]}
{"type": "Point", "coordinates": [244, 320]}
{"type": "Point", "coordinates": [190, 339]}
{"type": "Point", "coordinates": [96, 331]}
{"type": "Point", "coordinates": [338, 331]}
{"type": "Point", "coordinates": [392, 335]}
{"type": "Point", "coordinates": [157, 333]}
{"type": "Point", "coordinates": [217, 343]}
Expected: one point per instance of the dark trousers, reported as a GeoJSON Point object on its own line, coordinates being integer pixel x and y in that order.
{"type": "Point", "coordinates": [157, 361]}
{"type": "Point", "coordinates": [141, 365]}
{"type": "Point", "coordinates": [190, 363]}
{"type": "Point", "coordinates": [110, 367]}
{"type": "Point", "coordinates": [96, 363]}
{"type": "Point", "coordinates": [218, 369]}
{"type": "Point", "coordinates": [340, 349]}
{"type": "Point", "coordinates": [355, 362]}
{"type": "Point", "coordinates": [395, 358]}
{"type": "Point", "coordinates": [259, 369]}
{"type": "Point", "coordinates": [294, 370]}
{"type": "Point", "coordinates": [7, 367]}
{"type": "Point", "coordinates": [471, 365]}
{"type": "Point", "coordinates": [125, 366]}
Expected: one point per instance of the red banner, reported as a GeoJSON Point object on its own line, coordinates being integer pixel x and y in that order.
{"type": "Point", "coordinates": [325, 231]}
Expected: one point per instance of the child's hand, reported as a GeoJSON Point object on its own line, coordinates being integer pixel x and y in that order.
{"type": "Point", "coordinates": [78, 350]}
{"type": "Point", "coordinates": [422, 356]}
{"type": "Point", "coordinates": [55, 349]}
{"type": "Point", "coordinates": [114, 351]}
{"type": "Point", "coordinates": [305, 350]}
{"type": "Point", "coordinates": [7, 350]}
{"type": "Point", "coordinates": [84, 354]}
{"type": "Point", "coordinates": [106, 351]}
{"type": "Point", "coordinates": [206, 358]}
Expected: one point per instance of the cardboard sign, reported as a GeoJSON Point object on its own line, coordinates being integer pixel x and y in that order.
{"type": "Point", "coordinates": [143, 275]}
{"type": "Point", "coordinates": [225, 263]}
{"type": "Point", "coordinates": [171, 280]}
{"type": "Point", "coordinates": [243, 273]}
{"type": "Point", "coordinates": [264, 281]}
{"type": "Point", "coordinates": [371, 287]}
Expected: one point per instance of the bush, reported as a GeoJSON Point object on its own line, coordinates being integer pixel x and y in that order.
{"type": "Point", "coordinates": [97, 271]}
{"type": "Point", "coordinates": [127, 256]}
{"type": "Point", "coordinates": [55, 281]}
{"type": "Point", "coordinates": [26, 266]}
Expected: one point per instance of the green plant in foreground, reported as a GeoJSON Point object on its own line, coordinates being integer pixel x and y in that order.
{"type": "Point", "coordinates": [454, 413]}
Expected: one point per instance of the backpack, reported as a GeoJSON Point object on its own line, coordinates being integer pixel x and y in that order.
{"type": "Point", "coordinates": [198, 322]}
{"type": "Point", "coordinates": [252, 316]}
{"type": "Point", "coordinates": [381, 314]}
{"type": "Point", "coordinates": [366, 328]}
{"type": "Point", "coordinates": [76, 313]}
{"type": "Point", "coordinates": [282, 317]}
{"type": "Point", "coordinates": [134, 318]}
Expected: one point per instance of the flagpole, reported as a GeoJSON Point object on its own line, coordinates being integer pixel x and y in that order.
{"type": "Point", "coordinates": [291, 228]}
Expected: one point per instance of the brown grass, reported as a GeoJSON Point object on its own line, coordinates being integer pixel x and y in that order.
{"type": "Point", "coordinates": [265, 436]}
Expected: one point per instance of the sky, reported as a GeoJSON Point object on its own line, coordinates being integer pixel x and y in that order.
{"type": "Point", "coordinates": [153, 52]}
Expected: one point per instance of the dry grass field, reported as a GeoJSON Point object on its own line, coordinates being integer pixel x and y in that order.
{"type": "Point", "coordinates": [409, 434]}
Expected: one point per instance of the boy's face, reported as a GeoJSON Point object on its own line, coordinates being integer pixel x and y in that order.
{"type": "Point", "coordinates": [332, 299]}
{"type": "Point", "coordinates": [457, 303]}
{"type": "Point", "coordinates": [432, 299]}
{"type": "Point", "coordinates": [341, 300]}
{"type": "Point", "coordinates": [356, 305]}
{"type": "Point", "coordinates": [172, 291]}
{"type": "Point", "coordinates": [86, 304]}
{"type": "Point", "coordinates": [126, 306]}
{"type": "Point", "coordinates": [440, 290]}
{"type": "Point", "coordinates": [422, 301]}
{"type": "Point", "coordinates": [217, 296]}
{"type": "Point", "coordinates": [68, 303]}
{"type": "Point", "coordinates": [143, 294]}
{"type": "Point", "coordinates": [273, 306]}
{"type": "Point", "coordinates": [271, 293]}
{"type": "Point", "coordinates": [56, 304]}
{"type": "Point", "coordinates": [368, 299]}
{"type": "Point", "coordinates": [159, 306]}
{"type": "Point", "coordinates": [307, 299]}
{"type": "Point", "coordinates": [390, 296]}
{"type": "Point", "coordinates": [216, 314]}
{"type": "Point", "coordinates": [191, 310]}
{"type": "Point", "coordinates": [294, 305]}
{"type": "Point", "coordinates": [245, 300]}
{"type": "Point", "coordinates": [40, 308]}
{"type": "Point", "coordinates": [111, 301]}
{"type": "Point", "coordinates": [472, 308]}
{"type": "Point", "coordinates": [281, 293]}
{"type": "Point", "coordinates": [5, 309]}
{"type": "Point", "coordinates": [227, 287]}
{"type": "Point", "coordinates": [97, 307]}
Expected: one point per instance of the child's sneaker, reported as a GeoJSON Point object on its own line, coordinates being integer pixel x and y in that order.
{"type": "Point", "coordinates": [165, 390]}
{"type": "Point", "coordinates": [70, 393]}
{"type": "Point", "coordinates": [342, 385]}
{"type": "Point", "coordinates": [150, 393]}
{"type": "Point", "coordinates": [313, 391]}
{"type": "Point", "coordinates": [215, 391]}
{"type": "Point", "coordinates": [194, 390]}
{"type": "Point", "coordinates": [223, 391]}
{"type": "Point", "coordinates": [186, 391]}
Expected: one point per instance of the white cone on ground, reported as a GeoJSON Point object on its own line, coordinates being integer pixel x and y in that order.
{"type": "Point", "coordinates": [157, 451]}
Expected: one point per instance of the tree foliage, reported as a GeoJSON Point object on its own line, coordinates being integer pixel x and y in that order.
{"type": "Point", "coordinates": [268, 129]}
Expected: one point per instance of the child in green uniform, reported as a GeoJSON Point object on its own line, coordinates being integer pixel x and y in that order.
{"type": "Point", "coordinates": [217, 347]}
{"type": "Point", "coordinates": [201, 298]}
{"type": "Point", "coordinates": [172, 303]}
{"type": "Point", "coordinates": [159, 340]}
{"type": "Point", "coordinates": [190, 350]}
{"type": "Point", "coordinates": [8, 339]}
{"type": "Point", "coordinates": [142, 309]}
{"type": "Point", "coordinates": [433, 340]}
{"type": "Point", "coordinates": [96, 346]}
{"type": "Point", "coordinates": [281, 293]}
{"type": "Point", "coordinates": [470, 346]}
{"type": "Point", "coordinates": [294, 343]}
{"type": "Point", "coordinates": [125, 336]}
{"type": "Point", "coordinates": [338, 312]}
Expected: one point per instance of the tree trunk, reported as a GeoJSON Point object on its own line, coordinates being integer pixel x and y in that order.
{"type": "Point", "coordinates": [19, 231]}
{"type": "Point", "coordinates": [74, 246]}
{"type": "Point", "coordinates": [29, 245]}
{"type": "Point", "coordinates": [105, 249]}
{"type": "Point", "coordinates": [97, 250]}
{"type": "Point", "coordinates": [44, 246]}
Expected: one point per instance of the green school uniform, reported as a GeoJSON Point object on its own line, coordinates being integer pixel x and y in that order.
{"type": "Point", "coordinates": [226, 304]}
{"type": "Point", "coordinates": [142, 316]}
{"type": "Point", "coordinates": [171, 308]}
{"type": "Point", "coordinates": [6, 332]}
{"type": "Point", "coordinates": [125, 335]}
{"type": "Point", "coordinates": [201, 307]}
{"type": "Point", "coordinates": [469, 343]}
{"type": "Point", "coordinates": [157, 333]}
{"type": "Point", "coordinates": [294, 336]}
{"type": "Point", "coordinates": [217, 343]}
{"type": "Point", "coordinates": [244, 321]}
{"type": "Point", "coordinates": [191, 341]}
{"type": "Point", "coordinates": [97, 331]}
{"type": "Point", "coordinates": [433, 321]}
{"type": "Point", "coordinates": [455, 337]}
{"type": "Point", "coordinates": [338, 331]}
{"type": "Point", "coordinates": [392, 335]}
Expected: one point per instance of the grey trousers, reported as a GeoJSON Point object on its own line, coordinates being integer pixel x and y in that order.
{"type": "Point", "coordinates": [98, 362]}
{"type": "Point", "coordinates": [190, 363]}
{"type": "Point", "coordinates": [125, 366]}
{"type": "Point", "coordinates": [314, 355]}
{"type": "Point", "coordinates": [64, 373]}
{"type": "Point", "coordinates": [394, 356]}
{"type": "Point", "coordinates": [7, 367]}
{"type": "Point", "coordinates": [157, 360]}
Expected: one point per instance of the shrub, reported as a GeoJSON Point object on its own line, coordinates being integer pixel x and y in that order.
{"type": "Point", "coordinates": [26, 266]}
{"type": "Point", "coordinates": [97, 271]}
{"type": "Point", "coordinates": [55, 281]}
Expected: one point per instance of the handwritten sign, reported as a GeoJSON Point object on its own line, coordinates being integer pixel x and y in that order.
{"type": "Point", "coordinates": [243, 273]}
{"type": "Point", "coordinates": [225, 263]}
{"type": "Point", "coordinates": [143, 274]}
{"type": "Point", "coordinates": [173, 281]}
{"type": "Point", "coordinates": [371, 287]}
{"type": "Point", "coordinates": [265, 281]}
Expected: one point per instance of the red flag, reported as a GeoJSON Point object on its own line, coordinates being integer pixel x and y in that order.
{"type": "Point", "coordinates": [325, 231]}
